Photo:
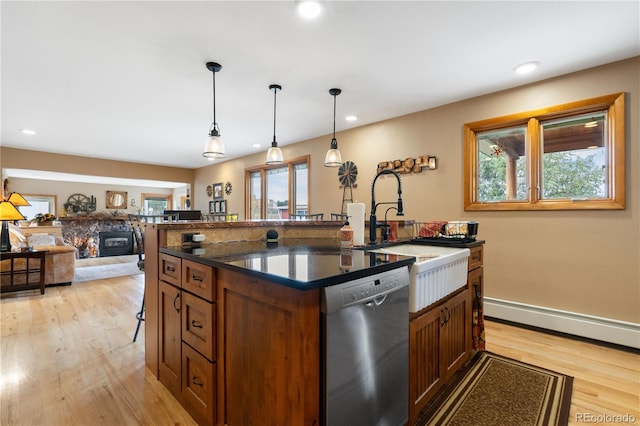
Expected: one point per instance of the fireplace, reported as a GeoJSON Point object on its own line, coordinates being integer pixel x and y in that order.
{"type": "Point", "coordinates": [116, 243]}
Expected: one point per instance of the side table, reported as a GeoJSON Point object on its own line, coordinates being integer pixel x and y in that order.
{"type": "Point", "coordinates": [34, 266]}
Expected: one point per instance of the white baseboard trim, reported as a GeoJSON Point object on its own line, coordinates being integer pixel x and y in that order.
{"type": "Point", "coordinates": [592, 327]}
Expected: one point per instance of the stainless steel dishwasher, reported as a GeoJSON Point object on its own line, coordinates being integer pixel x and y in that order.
{"type": "Point", "coordinates": [366, 350]}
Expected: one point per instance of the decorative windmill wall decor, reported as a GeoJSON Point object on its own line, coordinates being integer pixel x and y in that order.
{"type": "Point", "coordinates": [347, 174]}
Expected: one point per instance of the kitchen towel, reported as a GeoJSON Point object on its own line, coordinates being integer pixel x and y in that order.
{"type": "Point", "coordinates": [355, 211]}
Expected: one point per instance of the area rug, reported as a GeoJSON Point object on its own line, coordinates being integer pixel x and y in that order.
{"type": "Point", "coordinates": [99, 272]}
{"type": "Point", "coordinates": [495, 390]}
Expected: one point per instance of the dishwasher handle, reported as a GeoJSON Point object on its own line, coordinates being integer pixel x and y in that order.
{"type": "Point", "coordinates": [376, 302]}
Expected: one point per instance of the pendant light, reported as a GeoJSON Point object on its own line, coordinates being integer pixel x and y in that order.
{"type": "Point", "coordinates": [274, 154]}
{"type": "Point", "coordinates": [333, 157]}
{"type": "Point", "coordinates": [214, 148]}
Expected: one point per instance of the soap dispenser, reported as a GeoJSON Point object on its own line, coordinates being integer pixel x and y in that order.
{"type": "Point", "coordinates": [346, 235]}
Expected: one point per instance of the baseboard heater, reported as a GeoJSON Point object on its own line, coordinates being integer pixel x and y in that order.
{"type": "Point", "coordinates": [592, 327]}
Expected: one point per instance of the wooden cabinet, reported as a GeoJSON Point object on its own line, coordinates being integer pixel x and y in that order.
{"type": "Point", "coordinates": [475, 283]}
{"type": "Point", "coordinates": [270, 359]}
{"type": "Point", "coordinates": [187, 335]}
{"type": "Point", "coordinates": [439, 345]}
{"type": "Point", "coordinates": [441, 338]}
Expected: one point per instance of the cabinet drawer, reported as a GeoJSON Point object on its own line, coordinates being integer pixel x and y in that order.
{"type": "Point", "coordinates": [475, 258]}
{"type": "Point", "coordinates": [198, 385]}
{"type": "Point", "coordinates": [199, 324]}
{"type": "Point", "coordinates": [198, 279]}
{"type": "Point", "coordinates": [170, 269]}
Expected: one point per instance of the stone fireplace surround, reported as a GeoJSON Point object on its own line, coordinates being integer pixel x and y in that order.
{"type": "Point", "coordinates": [83, 232]}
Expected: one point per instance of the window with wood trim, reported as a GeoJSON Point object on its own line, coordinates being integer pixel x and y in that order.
{"type": "Point", "coordinates": [277, 191]}
{"type": "Point", "coordinates": [565, 157]}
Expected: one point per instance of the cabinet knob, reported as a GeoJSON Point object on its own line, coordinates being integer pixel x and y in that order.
{"type": "Point", "coordinates": [196, 324]}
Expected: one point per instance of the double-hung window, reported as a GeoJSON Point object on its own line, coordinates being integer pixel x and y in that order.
{"type": "Point", "coordinates": [277, 191]}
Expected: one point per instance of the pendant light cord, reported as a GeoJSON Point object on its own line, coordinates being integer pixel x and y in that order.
{"type": "Point", "coordinates": [275, 90]}
{"type": "Point", "coordinates": [214, 99]}
{"type": "Point", "coordinates": [334, 116]}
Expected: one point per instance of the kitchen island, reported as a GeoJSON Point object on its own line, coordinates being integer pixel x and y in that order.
{"type": "Point", "coordinates": [233, 329]}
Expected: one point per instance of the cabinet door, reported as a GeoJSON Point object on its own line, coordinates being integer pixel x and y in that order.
{"type": "Point", "coordinates": [199, 324]}
{"type": "Point", "coordinates": [455, 343]}
{"type": "Point", "coordinates": [169, 356]}
{"type": "Point", "coordinates": [198, 385]}
{"type": "Point", "coordinates": [424, 359]}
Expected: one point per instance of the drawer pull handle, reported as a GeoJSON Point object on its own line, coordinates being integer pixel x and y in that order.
{"type": "Point", "coordinates": [197, 381]}
{"type": "Point", "coordinates": [170, 269]}
{"type": "Point", "coordinates": [177, 308]}
{"type": "Point", "coordinates": [196, 324]}
{"type": "Point", "coordinates": [197, 278]}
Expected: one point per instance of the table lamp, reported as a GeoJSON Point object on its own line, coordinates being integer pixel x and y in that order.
{"type": "Point", "coordinates": [9, 212]}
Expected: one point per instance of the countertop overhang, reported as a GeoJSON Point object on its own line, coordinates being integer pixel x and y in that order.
{"type": "Point", "coordinates": [299, 263]}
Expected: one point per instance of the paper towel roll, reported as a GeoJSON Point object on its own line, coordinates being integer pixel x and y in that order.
{"type": "Point", "coordinates": [355, 211]}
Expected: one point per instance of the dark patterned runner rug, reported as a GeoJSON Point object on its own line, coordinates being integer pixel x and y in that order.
{"type": "Point", "coordinates": [495, 390]}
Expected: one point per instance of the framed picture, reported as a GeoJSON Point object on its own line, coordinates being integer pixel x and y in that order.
{"type": "Point", "coordinates": [212, 206]}
{"type": "Point", "coordinates": [217, 191]}
{"type": "Point", "coordinates": [223, 206]}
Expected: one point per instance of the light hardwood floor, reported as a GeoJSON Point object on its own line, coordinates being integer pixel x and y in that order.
{"type": "Point", "coordinates": [68, 359]}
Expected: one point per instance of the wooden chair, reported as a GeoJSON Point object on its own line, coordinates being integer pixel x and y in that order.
{"type": "Point", "coordinates": [339, 216]}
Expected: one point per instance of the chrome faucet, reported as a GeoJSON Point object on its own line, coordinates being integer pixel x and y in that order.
{"type": "Point", "coordinates": [373, 221]}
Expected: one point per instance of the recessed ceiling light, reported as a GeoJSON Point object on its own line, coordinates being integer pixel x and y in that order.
{"type": "Point", "coordinates": [351, 117]}
{"type": "Point", "coordinates": [527, 67]}
{"type": "Point", "coordinates": [309, 9]}
{"type": "Point", "coordinates": [256, 145]}
{"type": "Point", "coordinates": [28, 131]}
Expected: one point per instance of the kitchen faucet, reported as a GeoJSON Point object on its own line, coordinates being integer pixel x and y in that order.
{"type": "Point", "coordinates": [373, 221]}
{"type": "Point", "coordinates": [386, 228]}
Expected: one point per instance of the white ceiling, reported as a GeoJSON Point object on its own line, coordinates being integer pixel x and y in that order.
{"type": "Point", "coordinates": [127, 80]}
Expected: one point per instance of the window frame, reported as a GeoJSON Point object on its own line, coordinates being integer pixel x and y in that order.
{"type": "Point", "coordinates": [144, 196]}
{"type": "Point", "coordinates": [614, 104]}
{"type": "Point", "coordinates": [262, 169]}
{"type": "Point", "coordinates": [51, 199]}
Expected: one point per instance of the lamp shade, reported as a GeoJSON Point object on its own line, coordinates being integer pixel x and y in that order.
{"type": "Point", "coordinates": [9, 212]}
{"type": "Point", "coordinates": [333, 158]}
{"type": "Point", "coordinates": [214, 147]}
{"type": "Point", "coordinates": [274, 155]}
{"type": "Point", "coordinates": [17, 200]}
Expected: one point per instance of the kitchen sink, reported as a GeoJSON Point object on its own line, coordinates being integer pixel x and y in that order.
{"type": "Point", "coordinates": [437, 272]}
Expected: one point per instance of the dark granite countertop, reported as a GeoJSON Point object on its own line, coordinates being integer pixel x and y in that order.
{"type": "Point", "coordinates": [299, 263]}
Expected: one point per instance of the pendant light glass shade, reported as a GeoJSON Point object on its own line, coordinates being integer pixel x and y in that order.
{"type": "Point", "coordinates": [274, 154]}
{"type": "Point", "coordinates": [333, 157]}
{"type": "Point", "coordinates": [214, 147]}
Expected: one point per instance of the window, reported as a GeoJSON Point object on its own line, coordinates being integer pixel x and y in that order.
{"type": "Point", "coordinates": [274, 192]}
{"type": "Point", "coordinates": [156, 203]}
{"type": "Point", "coordinates": [39, 204]}
{"type": "Point", "coordinates": [567, 157]}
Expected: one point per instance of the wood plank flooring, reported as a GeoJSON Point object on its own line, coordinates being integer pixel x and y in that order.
{"type": "Point", "coordinates": [67, 358]}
